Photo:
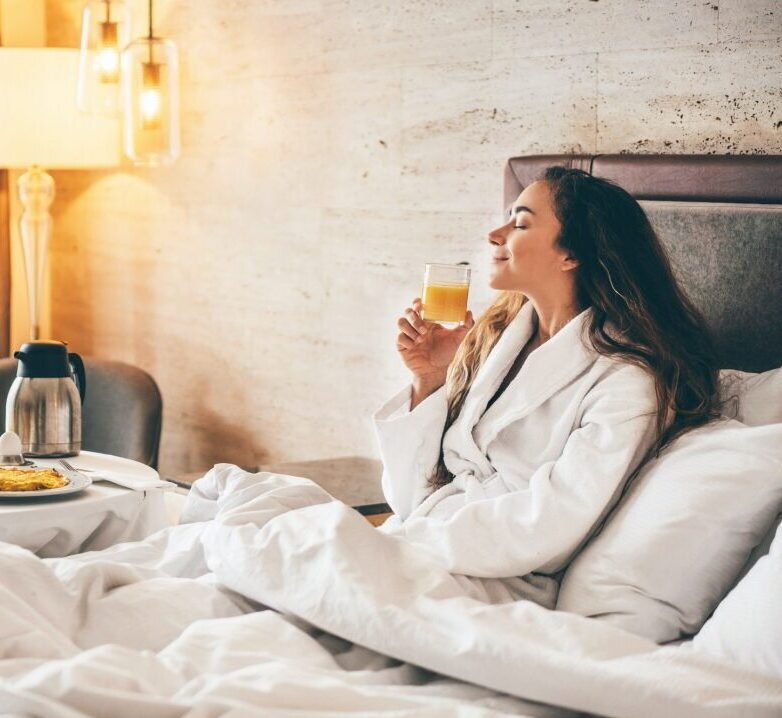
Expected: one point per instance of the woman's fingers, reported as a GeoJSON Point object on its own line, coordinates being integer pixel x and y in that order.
{"type": "Point", "coordinates": [408, 329]}
{"type": "Point", "coordinates": [404, 342]}
{"type": "Point", "coordinates": [469, 321]}
{"type": "Point", "coordinates": [415, 320]}
{"type": "Point", "coordinates": [411, 323]}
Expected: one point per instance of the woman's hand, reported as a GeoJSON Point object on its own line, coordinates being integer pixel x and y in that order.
{"type": "Point", "coordinates": [426, 348]}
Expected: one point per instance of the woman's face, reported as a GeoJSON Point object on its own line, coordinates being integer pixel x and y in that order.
{"type": "Point", "coordinates": [525, 256]}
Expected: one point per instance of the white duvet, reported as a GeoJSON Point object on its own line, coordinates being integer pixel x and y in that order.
{"type": "Point", "coordinates": [365, 623]}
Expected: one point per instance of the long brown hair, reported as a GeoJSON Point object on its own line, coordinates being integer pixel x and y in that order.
{"type": "Point", "coordinates": [639, 312]}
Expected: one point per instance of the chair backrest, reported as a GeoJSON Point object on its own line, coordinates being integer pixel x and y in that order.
{"type": "Point", "coordinates": [122, 413]}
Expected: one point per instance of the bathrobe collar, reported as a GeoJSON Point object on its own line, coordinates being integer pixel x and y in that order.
{"type": "Point", "coordinates": [546, 370]}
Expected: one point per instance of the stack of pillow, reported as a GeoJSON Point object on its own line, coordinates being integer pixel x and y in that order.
{"type": "Point", "coordinates": [698, 519]}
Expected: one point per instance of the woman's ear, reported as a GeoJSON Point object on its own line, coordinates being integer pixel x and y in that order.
{"type": "Point", "coordinates": [568, 263]}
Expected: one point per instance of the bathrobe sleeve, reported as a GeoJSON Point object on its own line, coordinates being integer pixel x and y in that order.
{"type": "Point", "coordinates": [538, 526]}
{"type": "Point", "coordinates": [409, 447]}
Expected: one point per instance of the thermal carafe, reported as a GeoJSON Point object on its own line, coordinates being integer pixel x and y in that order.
{"type": "Point", "coordinates": [44, 404]}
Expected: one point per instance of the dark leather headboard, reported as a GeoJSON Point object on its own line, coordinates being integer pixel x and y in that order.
{"type": "Point", "coordinates": [720, 218]}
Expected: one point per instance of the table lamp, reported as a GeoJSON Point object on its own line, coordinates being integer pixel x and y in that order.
{"type": "Point", "coordinates": [41, 127]}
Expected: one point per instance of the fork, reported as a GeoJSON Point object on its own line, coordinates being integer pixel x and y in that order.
{"type": "Point", "coordinates": [71, 467]}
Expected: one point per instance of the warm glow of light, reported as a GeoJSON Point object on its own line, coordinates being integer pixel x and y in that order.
{"type": "Point", "coordinates": [150, 107]}
{"type": "Point", "coordinates": [107, 64]}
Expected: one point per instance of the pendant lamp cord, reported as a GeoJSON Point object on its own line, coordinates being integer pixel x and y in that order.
{"type": "Point", "coordinates": [150, 32]}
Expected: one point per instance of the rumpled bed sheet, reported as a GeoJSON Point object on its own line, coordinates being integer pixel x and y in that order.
{"type": "Point", "coordinates": [361, 623]}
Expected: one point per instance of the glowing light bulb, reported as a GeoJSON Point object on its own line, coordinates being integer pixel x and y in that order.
{"type": "Point", "coordinates": [107, 57]}
{"type": "Point", "coordinates": [107, 64]}
{"type": "Point", "coordinates": [150, 100]}
{"type": "Point", "coordinates": [150, 105]}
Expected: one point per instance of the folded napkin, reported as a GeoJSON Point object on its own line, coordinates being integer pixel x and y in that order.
{"type": "Point", "coordinates": [137, 484]}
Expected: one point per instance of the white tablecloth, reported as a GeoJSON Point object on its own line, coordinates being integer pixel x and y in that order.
{"type": "Point", "coordinates": [102, 515]}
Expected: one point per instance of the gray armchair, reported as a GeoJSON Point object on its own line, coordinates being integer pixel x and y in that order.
{"type": "Point", "coordinates": [122, 413]}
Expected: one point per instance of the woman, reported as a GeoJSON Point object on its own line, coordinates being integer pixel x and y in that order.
{"type": "Point", "coordinates": [519, 431]}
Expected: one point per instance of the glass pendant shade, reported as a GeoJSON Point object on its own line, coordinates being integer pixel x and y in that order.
{"type": "Point", "coordinates": [150, 77]}
{"type": "Point", "coordinates": [105, 30]}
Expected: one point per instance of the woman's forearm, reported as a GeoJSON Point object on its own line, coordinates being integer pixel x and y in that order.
{"type": "Point", "coordinates": [424, 387]}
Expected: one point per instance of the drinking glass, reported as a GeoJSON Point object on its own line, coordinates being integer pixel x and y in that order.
{"type": "Point", "coordinates": [445, 291]}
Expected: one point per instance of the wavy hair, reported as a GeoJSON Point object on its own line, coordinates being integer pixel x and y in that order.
{"type": "Point", "coordinates": [639, 312]}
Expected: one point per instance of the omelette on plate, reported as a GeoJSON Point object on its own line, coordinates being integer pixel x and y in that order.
{"type": "Point", "coordinates": [31, 479]}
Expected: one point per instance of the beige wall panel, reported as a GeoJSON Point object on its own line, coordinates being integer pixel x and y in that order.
{"type": "Point", "coordinates": [233, 41]}
{"type": "Point", "coordinates": [361, 149]}
{"type": "Point", "coordinates": [724, 99]}
{"type": "Point", "coordinates": [566, 27]}
{"type": "Point", "coordinates": [392, 33]}
{"type": "Point", "coordinates": [457, 119]}
{"type": "Point", "coordinates": [743, 20]}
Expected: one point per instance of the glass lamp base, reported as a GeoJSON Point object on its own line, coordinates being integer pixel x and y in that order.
{"type": "Point", "coordinates": [36, 193]}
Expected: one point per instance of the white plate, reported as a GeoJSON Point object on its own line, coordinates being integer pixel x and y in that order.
{"type": "Point", "coordinates": [77, 483]}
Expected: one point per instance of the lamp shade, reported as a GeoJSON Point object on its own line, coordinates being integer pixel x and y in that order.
{"type": "Point", "coordinates": [40, 123]}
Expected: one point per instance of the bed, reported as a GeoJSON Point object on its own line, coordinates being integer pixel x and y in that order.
{"type": "Point", "coordinates": [271, 598]}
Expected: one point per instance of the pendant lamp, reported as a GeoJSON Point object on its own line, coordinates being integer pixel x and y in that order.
{"type": "Point", "coordinates": [105, 30]}
{"type": "Point", "coordinates": [150, 89]}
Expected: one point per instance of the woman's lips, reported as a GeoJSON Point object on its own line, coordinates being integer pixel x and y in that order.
{"type": "Point", "coordinates": [500, 259]}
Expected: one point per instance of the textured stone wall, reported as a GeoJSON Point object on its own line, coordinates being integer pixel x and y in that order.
{"type": "Point", "coordinates": [330, 148]}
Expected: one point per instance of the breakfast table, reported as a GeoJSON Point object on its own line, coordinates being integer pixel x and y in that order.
{"type": "Point", "coordinates": [101, 515]}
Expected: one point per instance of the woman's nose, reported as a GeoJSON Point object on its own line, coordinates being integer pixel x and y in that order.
{"type": "Point", "coordinates": [497, 236]}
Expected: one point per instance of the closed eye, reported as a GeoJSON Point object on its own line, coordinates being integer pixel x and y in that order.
{"type": "Point", "coordinates": [519, 226]}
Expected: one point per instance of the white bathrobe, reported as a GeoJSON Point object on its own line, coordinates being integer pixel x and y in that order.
{"type": "Point", "coordinates": [534, 474]}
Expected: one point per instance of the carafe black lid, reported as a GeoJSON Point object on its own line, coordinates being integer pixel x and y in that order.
{"type": "Point", "coordinates": [44, 359]}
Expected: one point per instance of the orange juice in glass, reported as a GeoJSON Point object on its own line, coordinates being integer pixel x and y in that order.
{"type": "Point", "coordinates": [444, 296]}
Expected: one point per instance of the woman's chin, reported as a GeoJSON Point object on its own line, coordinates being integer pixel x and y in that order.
{"type": "Point", "coordinates": [496, 280]}
{"type": "Point", "coordinates": [503, 284]}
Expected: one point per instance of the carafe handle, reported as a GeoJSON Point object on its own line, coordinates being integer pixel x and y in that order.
{"type": "Point", "coordinates": [77, 367]}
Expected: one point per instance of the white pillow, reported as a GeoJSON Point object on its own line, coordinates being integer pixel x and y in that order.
{"type": "Point", "coordinates": [682, 532]}
{"type": "Point", "coordinates": [752, 399]}
{"type": "Point", "coordinates": [755, 400]}
{"type": "Point", "coordinates": [746, 628]}
{"type": "Point", "coordinates": [760, 550]}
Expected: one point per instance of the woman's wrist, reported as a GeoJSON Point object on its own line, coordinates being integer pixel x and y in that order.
{"type": "Point", "coordinates": [424, 387]}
